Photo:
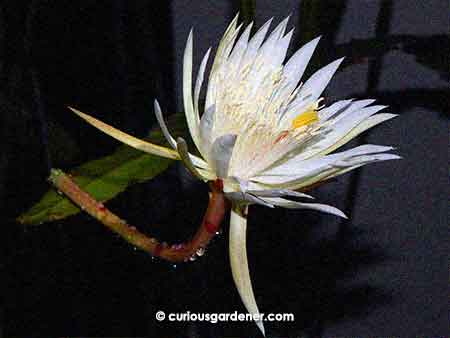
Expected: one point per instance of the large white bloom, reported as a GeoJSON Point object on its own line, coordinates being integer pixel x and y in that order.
{"type": "Point", "coordinates": [262, 131]}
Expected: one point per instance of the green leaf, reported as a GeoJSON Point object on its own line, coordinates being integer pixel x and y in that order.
{"type": "Point", "coordinates": [106, 177]}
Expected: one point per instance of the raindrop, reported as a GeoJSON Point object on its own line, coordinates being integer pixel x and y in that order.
{"type": "Point", "coordinates": [134, 248]}
{"type": "Point", "coordinates": [174, 266]}
{"type": "Point", "coordinates": [193, 258]}
{"type": "Point", "coordinates": [200, 251]}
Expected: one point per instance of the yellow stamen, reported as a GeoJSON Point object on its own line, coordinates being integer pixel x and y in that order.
{"type": "Point", "coordinates": [305, 118]}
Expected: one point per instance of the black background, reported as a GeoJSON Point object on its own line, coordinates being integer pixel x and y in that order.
{"type": "Point", "coordinates": [383, 273]}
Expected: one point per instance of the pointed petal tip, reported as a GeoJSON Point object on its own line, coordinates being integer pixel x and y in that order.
{"type": "Point", "coordinates": [339, 61]}
{"type": "Point", "coordinates": [344, 216]}
{"type": "Point", "coordinates": [396, 157]}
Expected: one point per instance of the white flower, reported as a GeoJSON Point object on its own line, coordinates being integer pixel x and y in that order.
{"type": "Point", "coordinates": [262, 131]}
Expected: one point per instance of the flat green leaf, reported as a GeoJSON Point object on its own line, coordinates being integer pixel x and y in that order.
{"type": "Point", "coordinates": [106, 177]}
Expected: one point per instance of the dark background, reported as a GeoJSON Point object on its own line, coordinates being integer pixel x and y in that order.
{"type": "Point", "coordinates": [382, 273]}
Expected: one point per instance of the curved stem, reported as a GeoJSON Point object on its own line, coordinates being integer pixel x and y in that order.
{"type": "Point", "coordinates": [239, 261]}
{"type": "Point", "coordinates": [174, 253]}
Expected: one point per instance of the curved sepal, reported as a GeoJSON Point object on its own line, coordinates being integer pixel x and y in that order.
{"type": "Point", "coordinates": [239, 262]}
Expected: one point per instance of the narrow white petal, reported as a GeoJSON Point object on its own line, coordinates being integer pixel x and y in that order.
{"type": "Point", "coordinates": [163, 125]}
{"type": "Point", "coordinates": [240, 47]}
{"type": "Point", "coordinates": [206, 128]}
{"type": "Point", "coordinates": [242, 197]}
{"type": "Point", "coordinates": [199, 81]}
{"type": "Point", "coordinates": [341, 128]}
{"type": "Point", "coordinates": [365, 159]}
{"type": "Point", "coordinates": [224, 42]}
{"type": "Point", "coordinates": [220, 154]}
{"type": "Point", "coordinates": [297, 169]}
{"type": "Point", "coordinates": [327, 144]}
{"type": "Point", "coordinates": [197, 161]}
{"type": "Point", "coordinates": [267, 49]}
{"type": "Point", "coordinates": [281, 49]}
{"type": "Point", "coordinates": [334, 109]}
{"type": "Point", "coordinates": [370, 122]}
{"type": "Point", "coordinates": [192, 118]}
{"type": "Point", "coordinates": [278, 193]}
{"type": "Point", "coordinates": [314, 206]}
{"type": "Point", "coordinates": [239, 262]}
{"type": "Point", "coordinates": [296, 65]}
{"type": "Point", "coordinates": [184, 154]}
{"type": "Point", "coordinates": [354, 107]}
{"type": "Point", "coordinates": [317, 83]}
{"type": "Point", "coordinates": [255, 42]}
{"type": "Point", "coordinates": [128, 139]}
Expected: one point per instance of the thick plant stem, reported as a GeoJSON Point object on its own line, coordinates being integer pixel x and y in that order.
{"type": "Point", "coordinates": [239, 261]}
{"type": "Point", "coordinates": [174, 253]}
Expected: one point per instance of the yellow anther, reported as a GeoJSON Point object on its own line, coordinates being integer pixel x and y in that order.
{"type": "Point", "coordinates": [305, 118]}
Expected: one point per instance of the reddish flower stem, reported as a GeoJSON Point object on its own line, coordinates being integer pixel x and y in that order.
{"type": "Point", "coordinates": [174, 253]}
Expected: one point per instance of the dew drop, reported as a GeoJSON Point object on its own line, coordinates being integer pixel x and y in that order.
{"type": "Point", "coordinates": [200, 251]}
{"type": "Point", "coordinates": [174, 266]}
{"type": "Point", "coordinates": [193, 258]}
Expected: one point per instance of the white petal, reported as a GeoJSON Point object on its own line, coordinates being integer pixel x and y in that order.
{"type": "Point", "coordinates": [206, 128]}
{"type": "Point", "coordinates": [295, 67]}
{"type": "Point", "coordinates": [242, 197]}
{"type": "Point", "coordinates": [334, 109]}
{"type": "Point", "coordinates": [240, 48]}
{"type": "Point", "coordinates": [184, 154]}
{"type": "Point", "coordinates": [254, 44]}
{"type": "Point", "coordinates": [262, 191]}
{"type": "Point", "coordinates": [311, 90]}
{"type": "Point", "coordinates": [370, 122]}
{"type": "Point", "coordinates": [199, 81]}
{"type": "Point", "coordinates": [326, 144]}
{"type": "Point", "coordinates": [132, 141]}
{"type": "Point", "coordinates": [163, 125]}
{"type": "Point", "coordinates": [281, 49]}
{"type": "Point", "coordinates": [220, 154]}
{"type": "Point", "coordinates": [354, 107]}
{"type": "Point", "coordinates": [192, 118]}
{"type": "Point", "coordinates": [314, 206]}
{"type": "Point", "coordinates": [293, 171]}
{"type": "Point", "coordinates": [269, 48]}
{"type": "Point", "coordinates": [239, 262]}
{"type": "Point", "coordinates": [343, 127]}
{"type": "Point", "coordinates": [278, 193]}
{"type": "Point", "coordinates": [224, 43]}
{"type": "Point", "coordinates": [317, 83]}
{"type": "Point", "coordinates": [296, 169]}
{"type": "Point", "coordinates": [197, 161]}
{"type": "Point", "coordinates": [365, 159]}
